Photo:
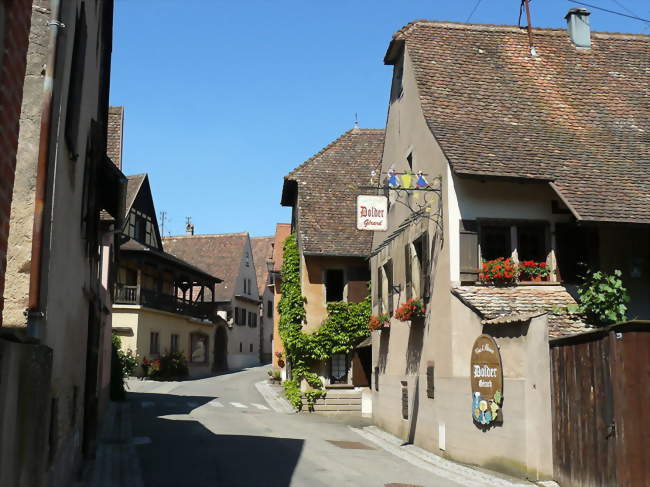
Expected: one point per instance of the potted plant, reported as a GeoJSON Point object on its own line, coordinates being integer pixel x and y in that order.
{"type": "Point", "coordinates": [380, 321]}
{"type": "Point", "coordinates": [529, 270]}
{"type": "Point", "coordinates": [280, 357]}
{"type": "Point", "coordinates": [498, 272]}
{"type": "Point", "coordinates": [146, 364]}
{"type": "Point", "coordinates": [412, 309]}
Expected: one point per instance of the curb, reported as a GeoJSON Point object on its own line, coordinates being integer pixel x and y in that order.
{"type": "Point", "coordinates": [277, 403]}
{"type": "Point", "coordinates": [456, 472]}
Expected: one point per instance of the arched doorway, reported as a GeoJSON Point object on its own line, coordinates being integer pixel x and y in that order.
{"type": "Point", "coordinates": [220, 349]}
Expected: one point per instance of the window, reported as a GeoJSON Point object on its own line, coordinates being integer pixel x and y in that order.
{"type": "Point", "coordinates": [154, 344]}
{"type": "Point", "coordinates": [252, 319]}
{"type": "Point", "coordinates": [75, 88]}
{"type": "Point", "coordinates": [173, 346]}
{"type": "Point", "coordinates": [409, 161]}
{"type": "Point", "coordinates": [397, 86]}
{"type": "Point", "coordinates": [269, 309]}
{"type": "Point", "coordinates": [388, 272]}
{"type": "Point", "coordinates": [422, 265]}
{"type": "Point", "coordinates": [245, 286]}
{"type": "Point", "coordinates": [241, 347]}
{"type": "Point", "coordinates": [198, 348]}
{"type": "Point", "coordinates": [531, 242]}
{"type": "Point", "coordinates": [247, 259]}
{"type": "Point", "coordinates": [251, 348]}
{"type": "Point", "coordinates": [339, 369]}
{"type": "Point", "coordinates": [250, 288]}
{"type": "Point", "coordinates": [334, 284]}
{"type": "Point", "coordinates": [495, 241]}
{"type": "Point", "coordinates": [408, 271]}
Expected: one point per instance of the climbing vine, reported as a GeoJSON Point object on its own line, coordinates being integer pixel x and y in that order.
{"type": "Point", "coordinates": [345, 325]}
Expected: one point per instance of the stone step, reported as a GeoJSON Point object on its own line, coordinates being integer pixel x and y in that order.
{"type": "Point", "coordinates": [337, 407]}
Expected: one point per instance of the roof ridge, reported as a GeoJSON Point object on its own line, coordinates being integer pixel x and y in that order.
{"type": "Point", "coordinates": [352, 131]}
{"type": "Point", "coordinates": [411, 26]}
{"type": "Point", "coordinates": [234, 234]}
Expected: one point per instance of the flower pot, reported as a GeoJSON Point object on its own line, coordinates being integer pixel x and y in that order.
{"type": "Point", "coordinates": [280, 363]}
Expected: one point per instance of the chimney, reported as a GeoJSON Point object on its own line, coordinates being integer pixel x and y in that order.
{"type": "Point", "coordinates": [577, 20]}
{"type": "Point", "coordinates": [189, 227]}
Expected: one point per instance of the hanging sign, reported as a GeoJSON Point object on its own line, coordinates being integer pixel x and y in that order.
{"type": "Point", "coordinates": [486, 376]}
{"type": "Point", "coordinates": [372, 213]}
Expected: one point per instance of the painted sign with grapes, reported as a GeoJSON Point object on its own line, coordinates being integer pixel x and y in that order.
{"type": "Point", "coordinates": [486, 376]}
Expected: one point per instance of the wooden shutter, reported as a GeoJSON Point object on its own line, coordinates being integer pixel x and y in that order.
{"type": "Point", "coordinates": [468, 251]}
{"type": "Point", "coordinates": [408, 280]}
{"type": "Point", "coordinates": [405, 400]}
{"type": "Point", "coordinates": [425, 272]}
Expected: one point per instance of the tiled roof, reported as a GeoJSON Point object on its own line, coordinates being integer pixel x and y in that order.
{"type": "Point", "coordinates": [282, 231]}
{"type": "Point", "coordinates": [220, 255]}
{"type": "Point", "coordinates": [578, 117]}
{"type": "Point", "coordinates": [115, 135]}
{"type": "Point", "coordinates": [500, 305]}
{"type": "Point", "coordinates": [262, 252]}
{"type": "Point", "coordinates": [132, 187]}
{"type": "Point", "coordinates": [135, 246]}
{"type": "Point", "coordinates": [327, 188]}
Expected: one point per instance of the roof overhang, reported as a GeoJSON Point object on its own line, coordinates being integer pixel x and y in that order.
{"type": "Point", "coordinates": [289, 192]}
{"type": "Point", "coordinates": [394, 51]}
{"type": "Point", "coordinates": [334, 254]}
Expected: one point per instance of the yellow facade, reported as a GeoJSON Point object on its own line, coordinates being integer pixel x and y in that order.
{"type": "Point", "coordinates": [145, 321]}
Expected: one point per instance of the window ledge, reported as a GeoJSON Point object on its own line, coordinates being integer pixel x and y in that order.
{"type": "Point", "coordinates": [523, 283]}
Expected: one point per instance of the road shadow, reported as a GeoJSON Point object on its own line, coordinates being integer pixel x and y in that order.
{"type": "Point", "coordinates": [182, 451]}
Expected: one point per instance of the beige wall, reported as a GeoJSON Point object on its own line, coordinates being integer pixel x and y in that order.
{"type": "Point", "coordinates": [143, 321]}
{"type": "Point", "coordinates": [312, 275]}
{"type": "Point", "coordinates": [277, 341]}
{"type": "Point", "coordinates": [521, 445]}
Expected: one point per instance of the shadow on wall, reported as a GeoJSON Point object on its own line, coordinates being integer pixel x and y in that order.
{"type": "Point", "coordinates": [414, 347]}
{"type": "Point", "coordinates": [384, 338]}
{"type": "Point", "coordinates": [183, 452]}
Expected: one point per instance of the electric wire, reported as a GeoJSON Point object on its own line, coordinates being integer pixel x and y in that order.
{"type": "Point", "coordinates": [611, 11]}
{"type": "Point", "coordinates": [478, 2]}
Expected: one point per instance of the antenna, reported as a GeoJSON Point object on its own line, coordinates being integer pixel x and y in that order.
{"type": "Point", "coordinates": [356, 121]}
{"type": "Point", "coordinates": [163, 218]}
{"type": "Point", "coordinates": [189, 226]}
{"type": "Point", "coordinates": [533, 52]}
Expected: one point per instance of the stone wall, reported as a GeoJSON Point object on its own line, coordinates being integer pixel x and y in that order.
{"type": "Point", "coordinates": [14, 29]}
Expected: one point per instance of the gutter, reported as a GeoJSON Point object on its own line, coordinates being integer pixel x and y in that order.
{"type": "Point", "coordinates": [35, 313]}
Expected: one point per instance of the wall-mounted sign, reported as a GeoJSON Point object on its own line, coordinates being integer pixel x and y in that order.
{"type": "Point", "coordinates": [486, 376]}
{"type": "Point", "coordinates": [372, 213]}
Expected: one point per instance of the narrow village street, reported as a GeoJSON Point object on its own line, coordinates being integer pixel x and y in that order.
{"type": "Point", "coordinates": [220, 431]}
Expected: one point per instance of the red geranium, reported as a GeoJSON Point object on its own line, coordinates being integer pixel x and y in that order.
{"type": "Point", "coordinates": [498, 271]}
{"type": "Point", "coordinates": [412, 308]}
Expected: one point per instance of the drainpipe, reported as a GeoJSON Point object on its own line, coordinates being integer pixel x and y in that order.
{"type": "Point", "coordinates": [35, 314]}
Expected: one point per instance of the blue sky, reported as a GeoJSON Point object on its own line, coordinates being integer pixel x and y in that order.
{"type": "Point", "coordinates": [222, 99]}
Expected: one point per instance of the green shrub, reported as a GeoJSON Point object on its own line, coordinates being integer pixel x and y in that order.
{"type": "Point", "coordinates": [117, 391]}
{"type": "Point", "coordinates": [602, 298]}
{"type": "Point", "coordinates": [170, 366]}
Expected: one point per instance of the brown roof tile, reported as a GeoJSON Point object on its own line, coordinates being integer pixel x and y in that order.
{"type": "Point", "coordinates": [115, 135]}
{"type": "Point", "coordinates": [579, 117]}
{"type": "Point", "coordinates": [219, 255]}
{"type": "Point", "coordinates": [262, 252]}
{"type": "Point", "coordinates": [327, 191]}
{"type": "Point", "coordinates": [499, 305]}
{"type": "Point", "coordinates": [133, 185]}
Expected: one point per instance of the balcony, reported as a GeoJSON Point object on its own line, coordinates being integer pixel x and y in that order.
{"type": "Point", "coordinates": [164, 302]}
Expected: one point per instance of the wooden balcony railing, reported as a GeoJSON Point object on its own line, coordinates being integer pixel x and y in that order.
{"type": "Point", "coordinates": [163, 302]}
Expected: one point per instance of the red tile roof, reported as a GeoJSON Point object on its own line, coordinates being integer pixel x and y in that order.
{"type": "Point", "coordinates": [501, 305]}
{"type": "Point", "coordinates": [578, 117]}
{"type": "Point", "coordinates": [326, 187]}
{"type": "Point", "coordinates": [262, 252]}
{"type": "Point", "coordinates": [220, 255]}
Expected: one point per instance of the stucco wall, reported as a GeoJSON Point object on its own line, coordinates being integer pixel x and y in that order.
{"type": "Point", "coordinates": [312, 272]}
{"type": "Point", "coordinates": [143, 321]}
{"type": "Point", "coordinates": [521, 445]}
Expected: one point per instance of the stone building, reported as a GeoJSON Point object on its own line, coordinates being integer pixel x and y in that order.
{"type": "Point", "coordinates": [322, 193]}
{"type": "Point", "coordinates": [263, 258]}
{"type": "Point", "coordinates": [55, 283]}
{"type": "Point", "coordinates": [529, 155]}
{"type": "Point", "coordinates": [230, 256]}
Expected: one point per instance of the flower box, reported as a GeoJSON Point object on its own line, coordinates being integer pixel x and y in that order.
{"type": "Point", "coordinates": [529, 270]}
{"type": "Point", "coordinates": [410, 310]}
{"type": "Point", "coordinates": [499, 272]}
{"type": "Point", "coordinates": [380, 321]}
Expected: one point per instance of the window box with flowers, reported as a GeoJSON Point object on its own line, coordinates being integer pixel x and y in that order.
{"type": "Point", "coordinates": [380, 321]}
{"type": "Point", "coordinates": [411, 310]}
{"type": "Point", "coordinates": [529, 270]}
{"type": "Point", "coordinates": [498, 272]}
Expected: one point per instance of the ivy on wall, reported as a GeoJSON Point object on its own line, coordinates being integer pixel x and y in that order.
{"type": "Point", "coordinates": [345, 325]}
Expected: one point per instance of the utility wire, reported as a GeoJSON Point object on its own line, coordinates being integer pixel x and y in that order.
{"type": "Point", "coordinates": [611, 11]}
{"type": "Point", "coordinates": [620, 4]}
{"type": "Point", "coordinates": [478, 2]}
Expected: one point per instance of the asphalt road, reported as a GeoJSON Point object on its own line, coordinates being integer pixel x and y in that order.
{"type": "Point", "coordinates": [220, 432]}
